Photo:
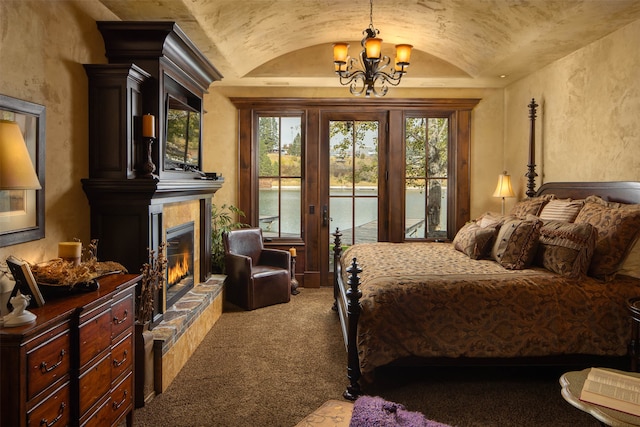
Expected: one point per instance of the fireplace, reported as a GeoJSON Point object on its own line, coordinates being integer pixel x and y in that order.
{"type": "Point", "coordinates": [180, 261]}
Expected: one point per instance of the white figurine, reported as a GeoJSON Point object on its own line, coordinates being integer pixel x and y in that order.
{"type": "Point", "coordinates": [20, 315]}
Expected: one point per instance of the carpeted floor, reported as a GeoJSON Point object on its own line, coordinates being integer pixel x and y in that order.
{"type": "Point", "coordinates": [275, 365]}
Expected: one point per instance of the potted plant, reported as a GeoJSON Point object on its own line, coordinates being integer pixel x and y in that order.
{"type": "Point", "coordinates": [223, 219]}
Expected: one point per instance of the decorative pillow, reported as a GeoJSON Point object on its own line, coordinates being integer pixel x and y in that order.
{"type": "Point", "coordinates": [516, 243]}
{"type": "Point", "coordinates": [530, 206]}
{"type": "Point", "coordinates": [561, 210]}
{"type": "Point", "coordinates": [617, 225]}
{"type": "Point", "coordinates": [474, 241]}
{"type": "Point", "coordinates": [631, 264]}
{"type": "Point", "coordinates": [490, 219]}
{"type": "Point", "coordinates": [566, 248]}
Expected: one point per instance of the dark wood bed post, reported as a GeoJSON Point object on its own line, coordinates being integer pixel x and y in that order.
{"type": "Point", "coordinates": [531, 167]}
{"type": "Point", "coordinates": [337, 252]}
{"type": "Point", "coordinates": [353, 308]}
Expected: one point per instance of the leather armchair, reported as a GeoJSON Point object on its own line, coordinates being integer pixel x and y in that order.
{"type": "Point", "coordinates": [256, 276]}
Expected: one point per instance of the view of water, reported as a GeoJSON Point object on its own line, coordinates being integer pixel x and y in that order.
{"type": "Point", "coordinates": [340, 210]}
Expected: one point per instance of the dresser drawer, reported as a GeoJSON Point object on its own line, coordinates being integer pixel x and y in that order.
{"type": "Point", "coordinates": [122, 357]}
{"type": "Point", "coordinates": [101, 415]}
{"type": "Point", "coordinates": [95, 383]}
{"type": "Point", "coordinates": [95, 336]}
{"type": "Point", "coordinates": [52, 411]}
{"type": "Point", "coordinates": [122, 398]}
{"type": "Point", "coordinates": [122, 315]}
{"type": "Point", "coordinates": [47, 364]}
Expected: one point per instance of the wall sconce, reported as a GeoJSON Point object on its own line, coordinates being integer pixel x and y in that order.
{"type": "Point", "coordinates": [503, 188]}
{"type": "Point", "coordinates": [16, 168]}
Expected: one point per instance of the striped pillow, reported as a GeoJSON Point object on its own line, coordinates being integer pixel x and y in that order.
{"type": "Point", "coordinates": [530, 206]}
{"type": "Point", "coordinates": [561, 210]}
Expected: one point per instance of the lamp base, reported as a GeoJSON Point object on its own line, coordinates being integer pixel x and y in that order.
{"type": "Point", "coordinates": [11, 320]}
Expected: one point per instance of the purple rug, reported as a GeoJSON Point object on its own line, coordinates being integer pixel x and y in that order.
{"type": "Point", "coordinates": [371, 411]}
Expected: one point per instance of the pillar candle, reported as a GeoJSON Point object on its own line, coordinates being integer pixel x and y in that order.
{"type": "Point", "coordinates": [70, 251]}
{"type": "Point", "coordinates": [292, 251]}
{"type": "Point", "coordinates": [149, 126]}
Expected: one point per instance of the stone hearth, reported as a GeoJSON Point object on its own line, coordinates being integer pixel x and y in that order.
{"type": "Point", "coordinates": [183, 328]}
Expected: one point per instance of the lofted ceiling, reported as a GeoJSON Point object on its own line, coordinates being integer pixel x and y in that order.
{"type": "Point", "coordinates": [457, 43]}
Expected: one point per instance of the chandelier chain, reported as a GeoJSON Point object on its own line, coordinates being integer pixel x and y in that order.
{"type": "Point", "coordinates": [371, 14]}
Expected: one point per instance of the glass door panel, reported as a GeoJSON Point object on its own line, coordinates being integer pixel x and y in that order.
{"type": "Point", "coordinates": [353, 180]}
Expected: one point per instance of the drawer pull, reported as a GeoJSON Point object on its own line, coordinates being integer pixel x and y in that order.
{"type": "Point", "coordinates": [117, 363]}
{"type": "Point", "coordinates": [117, 405]}
{"type": "Point", "coordinates": [46, 369]}
{"type": "Point", "coordinates": [44, 422]}
{"type": "Point", "coordinates": [117, 321]}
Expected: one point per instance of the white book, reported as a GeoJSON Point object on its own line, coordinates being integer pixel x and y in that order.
{"type": "Point", "coordinates": [613, 389]}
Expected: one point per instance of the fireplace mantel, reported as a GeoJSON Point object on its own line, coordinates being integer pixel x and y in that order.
{"type": "Point", "coordinates": [152, 189]}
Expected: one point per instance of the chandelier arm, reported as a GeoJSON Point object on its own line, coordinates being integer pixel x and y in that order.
{"type": "Point", "coordinates": [358, 84]}
{"type": "Point", "coordinates": [393, 81]}
{"type": "Point", "coordinates": [348, 77]}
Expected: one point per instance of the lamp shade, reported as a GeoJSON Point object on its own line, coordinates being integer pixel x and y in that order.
{"type": "Point", "coordinates": [340, 52]}
{"type": "Point", "coordinates": [373, 47]}
{"type": "Point", "coordinates": [403, 54]}
{"type": "Point", "coordinates": [16, 168]}
{"type": "Point", "coordinates": [503, 188]}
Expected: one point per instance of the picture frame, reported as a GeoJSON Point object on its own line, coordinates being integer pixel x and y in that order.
{"type": "Point", "coordinates": [22, 211]}
{"type": "Point", "coordinates": [25, 282]}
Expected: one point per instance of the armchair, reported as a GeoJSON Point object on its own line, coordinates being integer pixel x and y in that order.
{"type": "Point", "coordinates": [256, 276]}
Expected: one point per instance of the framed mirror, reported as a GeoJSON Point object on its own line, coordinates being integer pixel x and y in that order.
{"type": "Point", "coordinates": [22, 211]}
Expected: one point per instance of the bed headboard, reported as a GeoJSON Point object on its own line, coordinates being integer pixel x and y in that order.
{"type": "Point", "coordinates": [615, 191]}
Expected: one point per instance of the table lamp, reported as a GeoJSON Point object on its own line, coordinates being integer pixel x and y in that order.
{"type": "Point", "coordinates": [16, 173]}
{"type": "Point", "coordinates": [16, 169]}
{"type": "Point", "coordinates": [504, 188]}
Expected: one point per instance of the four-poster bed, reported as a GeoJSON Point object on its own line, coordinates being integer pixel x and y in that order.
{"type": "Point", "coordinates": [536, 289]}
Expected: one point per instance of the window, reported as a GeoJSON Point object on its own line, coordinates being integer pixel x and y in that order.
{"type": "Point", "coordinates": [426, 177]}
{"type": "Point", "coordinates": [279, 175]}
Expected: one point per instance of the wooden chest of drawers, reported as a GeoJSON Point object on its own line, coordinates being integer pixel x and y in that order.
{"type": "Point", "coordinates": [74, 364]}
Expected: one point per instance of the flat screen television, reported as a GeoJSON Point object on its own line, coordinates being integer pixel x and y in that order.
{"type": "Point", "coordinates": [182, 145]}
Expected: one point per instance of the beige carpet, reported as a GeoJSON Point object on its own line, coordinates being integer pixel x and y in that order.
{"type": "Point", "coordinates": [276, 365]}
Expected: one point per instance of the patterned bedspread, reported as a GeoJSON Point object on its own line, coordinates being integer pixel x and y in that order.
{"type": "Point", "coordinates": [429, 300]}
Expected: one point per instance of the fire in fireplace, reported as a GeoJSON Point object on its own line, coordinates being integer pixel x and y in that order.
{"type": "Point", "coordinates": [180, 248]}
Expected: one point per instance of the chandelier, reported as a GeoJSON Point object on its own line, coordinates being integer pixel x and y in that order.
{"type": "Point", "coordinates": [371, 73]}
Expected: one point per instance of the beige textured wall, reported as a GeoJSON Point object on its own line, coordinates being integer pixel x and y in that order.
{"type": "Point", "coordinates": [588, 121]}
{"type": "Point", "coordinates": [43, 45]}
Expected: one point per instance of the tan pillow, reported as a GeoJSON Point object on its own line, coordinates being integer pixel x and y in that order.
{"type": "Point", "coordinates": [516, 243]}
{"type": "Point", "coordinates": [530, 206]}
{"type": "Point", "coordinates": [474, 241]}
{"type": "Point", "coordinates": [631, 264]}
{"type": "Point", "coordinates": [566, 248]}
{"type": "Point", "coordinates": [491, 219]}
{"type": "Point", "coordinates": [561, 210]}
{"type": "Point", "coordinates": [617, 226]}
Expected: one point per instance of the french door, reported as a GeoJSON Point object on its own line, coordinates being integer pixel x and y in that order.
{"type": "Point", "coordinates": [309, 166]}
{"type": "Point", "coordinates": [353, 185]}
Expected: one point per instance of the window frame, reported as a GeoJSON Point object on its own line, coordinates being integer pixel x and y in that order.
{"type": "Point", "coordinates": [459, 110]}
{"type": "Point", "coordinates": [451, 149]}
{"type": "Point", "coordinates": [256, 137]}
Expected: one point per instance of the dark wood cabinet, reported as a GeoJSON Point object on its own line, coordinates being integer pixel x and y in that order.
{"type": "Point", "coordinates": [74, 364]}
{"type": "Point", "coordinates": [148, 62]}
